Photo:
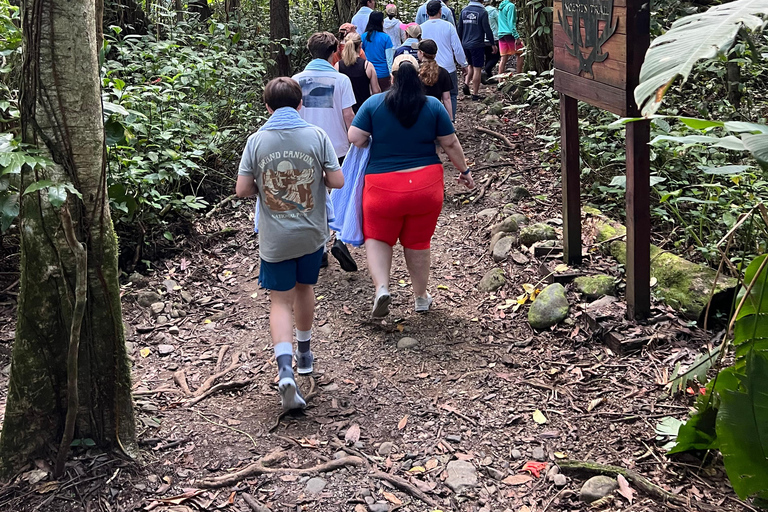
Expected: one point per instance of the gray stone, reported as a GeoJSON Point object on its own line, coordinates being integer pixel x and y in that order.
{"type": "Point", "coordinates": [502, 248]}
{"type": "Point", "coordinates": [386, 448]}
{"type": "Point", "coordinates": [162, 319]}
{"type": "Point", "coordinates": [496, 474]}
{"type": "Point", "coordinates": [157, 307]}
{"type": "Point", "coordinates": [186, 296]}
{"type": "Point", "coordinates": [559, 480]}
{"type": "Point", "coordinates": [454, 438]}
{"type": "Point", "coordinates": [164, 350]}
{"type": "Point", "coordinates": [491, 121]}
{"type": "Point", "coordinates": [315, 485]}
{"type": "Point", "coordinates": [462, 475]}
{"type": "Point", "coordinates": [519, 193]}
{"type": "Point", "coordinates": [174, 313]}
{"type": "Point", "coordinates": [339, 454]}
{"type": "Point", "coordinates": [406, 343]}
{"type": "Point", "coordinates": [379, 506]}
{"type": "Point", "coordinates": [369, 500]}
{"type": "Point", "coordinates": [492, 157]}
{"type": "Point", "coordinates": [365, 492]}
{"type": "Point", "coordinates": [519, 258]}
{"type": "Point", "coordinates": [138, 280]}
{"type": "Point", "coordinates": [516, 454]}
{"type": "Point", "coordinates": [495, 239]}
{"type": "Point", "coordinates": [170, 285]}
{"type": "Point", "coordinates": [538, 452]}
{"type": "Point", "coordinates": [492, 280]}
{"type": "Point", "coordinates": [147, 297]}
{"type": "Point", "coordinates": [496, 109]}
{"type": "Point", "coordinates": [173, 330]}
{"type": "Point", "coordinates": [406, 465]}
{"type": "Point", "coordinates": [488, 212]}
{"type": "Point", "coordinates": [508, 225]}
{"type": "Point", "coordinates": [521, 219]}
{"type": "Point", "coordinates": [549, 308]}
{"type": "Point", "coordinates": [552, 472]}
{"type": "Point", "coordinates": [529, 235]}
{"type": "Point", "coordinates": [597, 487]}
{"type": "Point", "coordinates": [130, 347]}
{"type": "Point", "coordinates": [594, 287]}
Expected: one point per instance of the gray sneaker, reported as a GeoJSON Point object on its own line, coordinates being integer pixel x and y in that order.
{"type": "Point", "coordinates": [381, 303]}
{"type": "Point", "coordinates": [304, 362]}
{"type": "Point", "coordinates": [290, 395]}
{"type": "Point", "coordinates": [423, 303]}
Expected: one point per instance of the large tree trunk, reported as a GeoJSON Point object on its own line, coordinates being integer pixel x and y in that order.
{"type": "Point", "coordinates": [62, 116]}
{"type": "Point", "coordinates": [539, 45]}
{"type": "Point", "coordinates": [280, 33]}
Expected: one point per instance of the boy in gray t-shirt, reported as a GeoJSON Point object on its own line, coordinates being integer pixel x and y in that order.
{"type": "Point", "coordinates": [289, 163]}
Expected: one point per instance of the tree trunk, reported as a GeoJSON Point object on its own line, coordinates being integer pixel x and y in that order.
{"type": "Point", "coordinates": [280, 33]}
{"type": "Point", "coordinates": [61, 115]}
{"type": "Point", "coordinates": [537, 32]}
{"type": "Point", "coordinates": [179, 10]}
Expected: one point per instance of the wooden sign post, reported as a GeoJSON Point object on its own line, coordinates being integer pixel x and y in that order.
{"type": "Point", "coordinates": [599, 49]}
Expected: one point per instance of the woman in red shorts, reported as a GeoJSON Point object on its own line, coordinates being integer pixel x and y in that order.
{"type": "Point", "coordinates": [403, 192]}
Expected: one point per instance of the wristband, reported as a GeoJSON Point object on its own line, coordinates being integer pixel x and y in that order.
{"type": "Point", "coordinates": [466, 172]}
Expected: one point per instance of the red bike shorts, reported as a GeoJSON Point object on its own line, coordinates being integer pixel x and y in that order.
{"type": "Point", "coordinates": [404, 206]}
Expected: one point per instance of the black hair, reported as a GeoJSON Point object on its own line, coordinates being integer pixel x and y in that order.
{"type": "Point", "coordinates": [375, 24]}
{"type": "Point", "coordinates": [406, 98]}
{"type": "Point", "coordinates": [434, 7]}
{"type": "Point", "coordinates": [363, 3]}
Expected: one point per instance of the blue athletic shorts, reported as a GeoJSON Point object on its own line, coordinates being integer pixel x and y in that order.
{"type": "Point", "coordinates": [283, 275]}
{"type": "Point", "coordinates": [475, 56]}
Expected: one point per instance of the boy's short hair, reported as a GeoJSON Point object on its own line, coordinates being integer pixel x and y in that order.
{"type": "Point", "coordinates": [321, 45]}
{"type": "Point", "coordinates": [434, 7]}
{"type": "Point", "coordinates": [282, 92]}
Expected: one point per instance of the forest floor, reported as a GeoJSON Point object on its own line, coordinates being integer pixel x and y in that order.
{"type": "Point", "coordinates": [479, 385]}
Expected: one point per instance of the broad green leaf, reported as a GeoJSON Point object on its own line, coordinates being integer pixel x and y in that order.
{"type": "Point", "coordinates": [38, 185]}
{"type": "Point", "coordinates": [690, 39]}
{"type": "Point", "coordinates": [758, 295]}
{"type": "Point", "coordinates": [700, 124]}
{"type": "Point", "coordinates": [57, 195]}
{"type": "Point", "coordinates": [742, 127]}
{"type": "Point", "coordinates": [698, 433]}
{"type": "Point", "coordinates": [9, 210]}
{"type": "Point", "coordinates": [727, 142]}
{"type": "Point", "coordinates": [113, 108]}
{"type": "Point", "coordinates": [726, 169]}
{"type": "Point", "coordinates": [742, 429]}
{"type": "Point", "coordinates": [758, 146]}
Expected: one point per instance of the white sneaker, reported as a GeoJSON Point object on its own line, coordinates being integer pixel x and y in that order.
{"type": "Point", "coordinates": [423, 303]}
{"type": "Point", "coordinates": [290, 395]}
{"type": "Point", "coordinates": [381, 303]}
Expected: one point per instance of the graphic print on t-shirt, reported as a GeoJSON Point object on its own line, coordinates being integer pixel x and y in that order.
{"type": "Point", "coordinates": [317, 91]}
{"type": "Point", "coordinates": [288, 188]}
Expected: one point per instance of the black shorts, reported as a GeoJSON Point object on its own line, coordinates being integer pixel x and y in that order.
{"type": "Point", "coordinates": [475, 56]}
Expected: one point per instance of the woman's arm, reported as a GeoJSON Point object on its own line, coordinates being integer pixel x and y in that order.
{"type": "Point", "coordinates": [369, 69]}
{"type": "Point", "coordinates": [448, 103]}
{"type": "Point", "coordinates": [452, 146]}
{"type": "Point", "coordinates": [359, 137]}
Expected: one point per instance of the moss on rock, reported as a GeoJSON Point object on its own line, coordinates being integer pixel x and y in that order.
{"type": "Point", "coordinates": [594, 287]}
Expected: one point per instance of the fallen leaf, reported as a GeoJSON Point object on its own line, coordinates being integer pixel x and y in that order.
{"type": "Point", "coordinates": [560, 455]}
{"type": "Point", "coordinates": [561, 267]}
{"type": "Point", "coordinates": [594, 403]}
{"type": "Point", "coordinates": [417, 469]}
{"type": "Point", "coordinates": [422, 375]}
{"type": "Point", "coordinates": [442, 287]}
{"type": "Point", "coordinates": [403, 422]}
{"type": "Point", "coordinates": [391, 498]}
{"type": "Point", "coordinates": [231, 499]}
{"type": "Point", "coordinates": [346, 310]}
{"type": "Point", "coordinates": [533, 467]}
{"type": "Point", "coordinates": [464, 456]}
{"type": "Point", "coordinates": [254, 295]}
{"type": "Point", "coordinates": [624, 488]}
{"type": "Point", "coordinates": [353, 434]}
{"type": "Point", "coordinates": [505, 376]}
{"type": "Point", "coordinates": [289, 478]}
{"type": "Point", "coordinates": [400, 327]}
{"type": "Point", "coordinates": [539, 417]}
{"type": "Point", "coordinates": [517, 479]}
{"type": "Point", "coordinates": [431, 464]}
{"type": "Point", "coordinates": [47, 487]}
{"type": "Point", "coordinates": [360, 508]}
{"type": "Point", "coordinates": [145, 352]}
{"type": "Point", "coordinates": [529, 288]}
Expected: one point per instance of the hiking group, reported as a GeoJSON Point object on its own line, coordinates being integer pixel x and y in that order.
{"type": "Point", "coordinates": [365, 117]}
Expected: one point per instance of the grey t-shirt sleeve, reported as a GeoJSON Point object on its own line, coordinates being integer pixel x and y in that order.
{"type": "Point", "coordinates": [330, 160]}
{"type": "Point", "coordinates": [247, 165]}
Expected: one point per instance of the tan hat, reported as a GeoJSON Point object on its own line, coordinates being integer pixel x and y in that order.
{"type": "Point", "coordinates": [413, 30]}
{"type": "Point", "coordinates": [404, 58]}
{"type": "Point", "coordinates": [391, 9]}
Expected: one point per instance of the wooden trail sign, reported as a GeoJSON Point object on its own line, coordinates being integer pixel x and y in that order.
{"type": "Point", "coordinates": [599, 50]}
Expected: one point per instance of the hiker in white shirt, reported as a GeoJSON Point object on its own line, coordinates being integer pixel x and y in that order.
{"type": "Point", "coordinates": [448, 46]}
{"type": "Point", "coordinates": [360, 19]}
{"type": "Point", "coordinates": [446, 13]}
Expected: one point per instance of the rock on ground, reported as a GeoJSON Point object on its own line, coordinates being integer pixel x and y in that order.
{"type": "Point", "coordinates": [406, 343]}
{"type": "Point", "coordinates": [597, 487]}
{"type": "Point", "coordinates": [519, 193]}
{"type": "Point", "coordinates": [147, 298]}
{"type": "Point", "coordinates": [594, 287]}
{"type": "Point", "coordinates": [492, 280]}
{"type": "Point", "coordinates": [488, 212]}
{"type": "Point", "coordinates": [549, 308]}
{"type": "Point", "coordinates": [538, 232]}
{"type": "Point", "coordinates": [462, 475]}
{"type": "Point", "coordinates": [508, 225]}
{"type": "Point", "coordinates": [521, 219]}
{"type": "Point", "coordinates": [315, 485]}
{"type": "Point", "coordinates": [502, 248]}
{"type": "Point", "coordinates": [386, 448]}
{"type": "Point", "coordinates": [559, 480]}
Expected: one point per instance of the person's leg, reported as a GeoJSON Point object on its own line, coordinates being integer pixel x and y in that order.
{"type": "Point", "coordinates": [379, 255]}
{"type": "Point", "coordinates": [520, 62]}
{"type": "Point", "coordinates": [477, 56]}
{"type": "Point", "coordinates": [503, 63]}
{"type": "Point", "coordinates": [491, 59]}
{"type": "Point", "coordinates": [307, 273]}
{"type": "Point", "coordinates": [418, 268]}
{"type": "Point", "coordinates": [281, 327]}
{"type": "Point", "coordinates": [454, 92]}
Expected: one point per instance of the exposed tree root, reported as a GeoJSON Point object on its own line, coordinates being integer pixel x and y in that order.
{"type": "Point", "coordinates": [216, 208]}
{"type": "Point", "coordinates": [207, 388]}
{"type": "Point", "coordinates": [632, 476]}
{"type": "Point", "coordinates": [261, 467]}
{"type": "Point", "coordinates": [404, 486]}
{"type": "Point", "coordinates": [233, 384]}
{"type": "Point", "coordinates": [495, 134]}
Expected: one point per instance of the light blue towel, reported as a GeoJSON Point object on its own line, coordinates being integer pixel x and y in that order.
{"type": "Point", "coordinates": [348, 200]}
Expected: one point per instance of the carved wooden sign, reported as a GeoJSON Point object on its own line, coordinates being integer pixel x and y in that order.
{"type": "Point", "coordinates": [596, 56]}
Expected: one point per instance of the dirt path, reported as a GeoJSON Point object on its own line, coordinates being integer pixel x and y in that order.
{"type": "Point", "coordinates": [467, 391]}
